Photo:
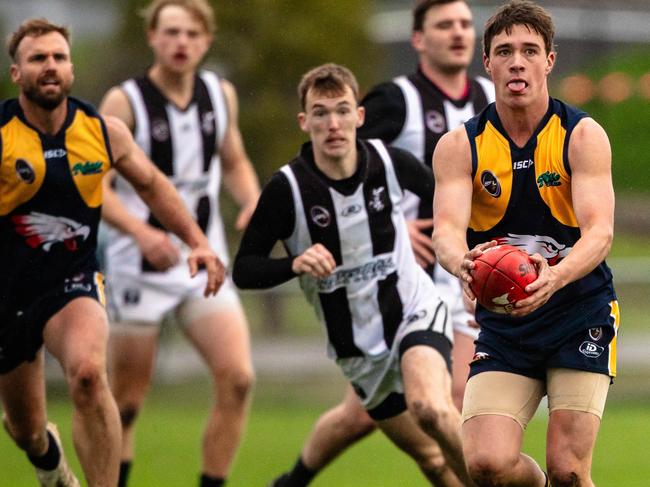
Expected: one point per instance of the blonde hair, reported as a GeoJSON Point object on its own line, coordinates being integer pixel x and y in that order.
{"type": "Point", "coordinates": [199, 9]}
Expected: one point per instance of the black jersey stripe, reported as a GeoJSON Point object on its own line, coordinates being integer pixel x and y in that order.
{"type": "Point", "coordinates": [162, 151]}
{"type": "Point", "coordinates": [390, 306]}
{"type": "Point", "coordinates": [207, 121]}
{"type": "Point", "coordinates": [378, 206]}
{"type": "Point", "coordinates": [319, 210]}
{"type": "Point", "coordinates": [338, 321]}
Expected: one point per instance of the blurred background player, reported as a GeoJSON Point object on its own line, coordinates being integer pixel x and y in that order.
{"type": "Point", "coordinates": [186, 121]}
{"type": "Point", "coordinates": [533, 172]}
{"type": "Point", "coordinates": [337, 209]}
{"type": "Point", "coordinates": [55, 153]}
{"type": "Point", "coordinates": [412, 112]}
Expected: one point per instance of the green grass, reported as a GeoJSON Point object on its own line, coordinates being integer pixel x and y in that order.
{"type": "Point", "coordinates": [170, 428]}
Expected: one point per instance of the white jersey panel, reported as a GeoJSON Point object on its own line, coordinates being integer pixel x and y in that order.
{"type": "Point", "coordinates": [488, 88]}
{"type": "Point", "coordinates": [411, 138]}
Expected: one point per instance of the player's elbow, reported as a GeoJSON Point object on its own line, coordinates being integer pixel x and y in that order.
{"type": "Point", "coordinates": [603, 236]}
{"type": "Point", "coordinates": [241, 275]}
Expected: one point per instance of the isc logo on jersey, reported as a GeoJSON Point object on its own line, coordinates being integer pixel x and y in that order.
{"type": "Point", "coordinates": [525, 164]}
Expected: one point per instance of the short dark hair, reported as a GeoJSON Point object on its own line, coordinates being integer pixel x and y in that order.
{"type": "Point", "coordinates": [328, 78]}
{"type": "Point", "coordinates": [519, 12]}
{"type": "Point", "coordinates": [34, 28]}
{"type": "Point", "coordinates": [422, 7]}
{"type": "Point", "coordinates": [199, 9]}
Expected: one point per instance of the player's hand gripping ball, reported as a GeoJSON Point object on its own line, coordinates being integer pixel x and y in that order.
{"type": "Point", "coordinates": [500, 276]}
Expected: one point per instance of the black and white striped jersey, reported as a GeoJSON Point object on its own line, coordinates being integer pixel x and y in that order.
{"type": "Point", "coordinates": [376, 282]}
{"type": "Point", "coordinates": [184, 144]}
{"type": "Point", "coordinates": [412, 113]}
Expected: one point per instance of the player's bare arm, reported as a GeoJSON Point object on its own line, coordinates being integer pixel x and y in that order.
{"type": "Point", "coordinates": [452, 162]}
{"type": "Point", "coordinates": [165, 203]}
{"type": "Point", "coordinates": [593, 203]}
{"type": "Point", "coordinates": [155, 244]}
{"type": "Point", "coordinates": [316, 260]}
{"type": "Point", "coordinates": [239, 177]}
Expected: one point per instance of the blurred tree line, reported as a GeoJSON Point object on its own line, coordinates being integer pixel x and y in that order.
{"type": "Point", "coordinates": [262, 46]}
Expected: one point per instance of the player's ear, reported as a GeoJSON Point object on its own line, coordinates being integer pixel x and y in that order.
{"type": "Point", "coordinates": [14, 72]}
{"type": "Point", "coordinates": [486, 64]}
{"type": "Point", "coordinates": [417, 40]}
{"type": "Point", "coordinates": [302, 122]}
{"type": "Point", "coordinates": [550, 62]}
{"type": "Point", "coordinates": [361, 116]}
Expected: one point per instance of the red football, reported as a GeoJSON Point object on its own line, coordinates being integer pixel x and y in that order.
{"type": "Point", "coordinates": [500, 277]}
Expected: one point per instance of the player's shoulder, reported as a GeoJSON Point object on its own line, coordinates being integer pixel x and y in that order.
{"type": "Point", "coordinates": [402, 156]}
{"type": "Point", "coordinates": [386, 91]}
{"type": "Point", "coordinates": [84, 106]}
{"type": "Point", "coordinates": [8, 110]}
{"type": "Point", "coordinates": [570, 115]}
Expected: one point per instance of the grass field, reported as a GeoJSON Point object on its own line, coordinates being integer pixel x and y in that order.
{"type": "Point", "coordinates": [282, 415]}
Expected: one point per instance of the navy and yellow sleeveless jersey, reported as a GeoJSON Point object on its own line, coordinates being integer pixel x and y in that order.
{"type": "Point", "coordinates": [522, 197]}
{"type": "Point", "coordinates": [50, 198]}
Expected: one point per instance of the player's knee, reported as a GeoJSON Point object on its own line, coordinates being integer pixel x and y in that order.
{"type": "Point", "coordinates": [86, 381]}
{"type": "Point", "coordinates": [359, 425]}
{"type": "Point", "coordinates": [235, 386]}
{"type": "Point", "coordinates": [488, 470]}
{"type": "Point", "coordinates": [431, 461]}
{"type": "Point", "coordinates": [564, 479]}
{"type": "Point", "coordinates": [128, 414]}
{"type": "Point", "coordinates": [431, 417]}
{"type": "Point", "coordinates": [565, 473]}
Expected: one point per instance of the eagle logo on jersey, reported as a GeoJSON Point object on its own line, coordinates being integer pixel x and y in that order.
{"type": "Point", "coordinates": [46, 230]}
{"type": "Point", "coordinates": [549, 248]}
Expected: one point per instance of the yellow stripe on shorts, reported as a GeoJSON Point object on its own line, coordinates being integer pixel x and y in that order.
{"type": "Point", "coordinates": [616, 316]}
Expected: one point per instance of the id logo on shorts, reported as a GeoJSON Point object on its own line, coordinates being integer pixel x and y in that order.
{"type": "Point", "coordinates": [591, 350]}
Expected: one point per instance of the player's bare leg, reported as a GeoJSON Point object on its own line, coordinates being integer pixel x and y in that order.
{"type": "Point", "coordinates": [427, 386]}
{"type": "Point", "coordinates": [335, 430]}
{"type": "Point", "coordinates": [570, 444]}
{"type": "Point", "coordinates": [498, 461]}
{"type": "Point", "coordinates": [222, 339]}
{"type": "Point", "coordinates": [462, 354]}
{"type": "Point", "coordinates": [409, 437]}
{"type": "Point", "coordinates": [132, 349]}
{"type": "Point", "coordinates": [23, 403]}
{"type": "Point", "coordinates": [77, 337]}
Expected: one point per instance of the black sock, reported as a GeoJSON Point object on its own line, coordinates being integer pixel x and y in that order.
{"type": "Point", "coordinates": [208, 481]}
{"type": "Point", "coordinates": [300, 475]}
{"type": "Point", "coordinates": [52, 456]}
{"type": "Point", "coordinates": [125, 469]}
